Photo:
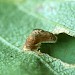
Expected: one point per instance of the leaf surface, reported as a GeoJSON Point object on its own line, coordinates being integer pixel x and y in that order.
{"type": "Point", "coordinates": [18, 19]}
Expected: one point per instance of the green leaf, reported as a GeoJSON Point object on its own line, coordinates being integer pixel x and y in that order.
{"type": "Point", "coordinates": [18, 19]}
